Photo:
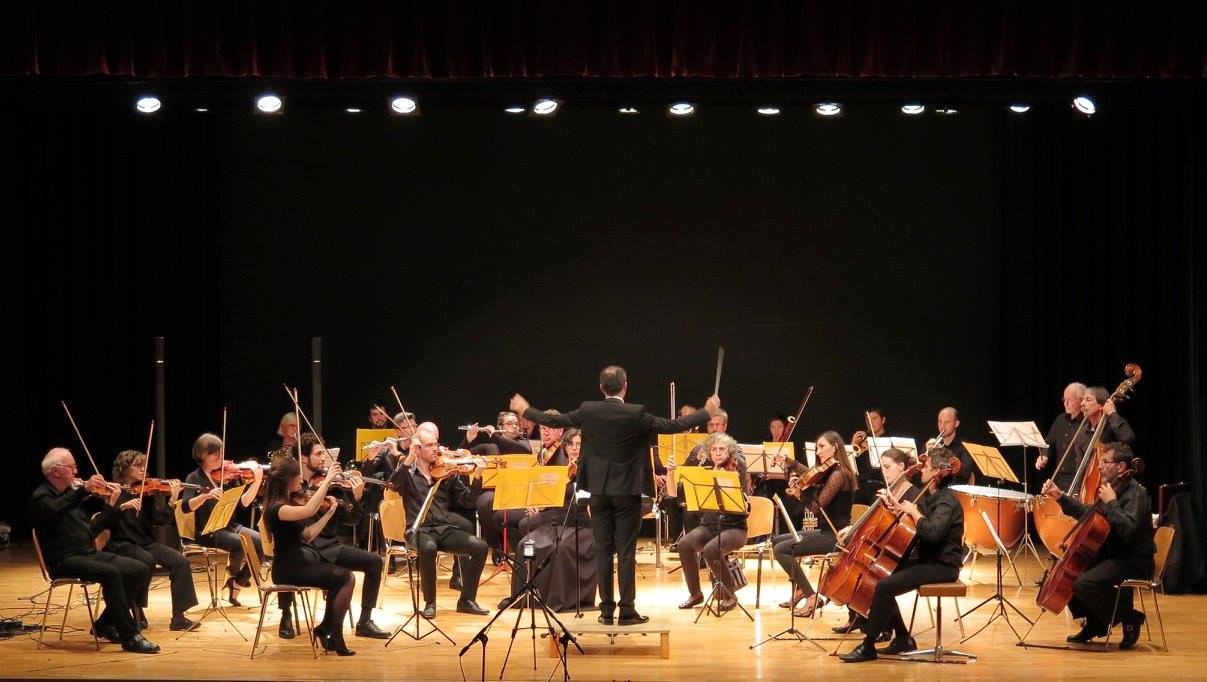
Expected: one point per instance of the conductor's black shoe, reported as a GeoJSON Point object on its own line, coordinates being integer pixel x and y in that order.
{"type": "Point", "coordinates": [139, 645]}
{"type": "Point", "coordinates": [861, 653]}
{"type": "Point", "coordinates": [369, 629]}
{"type": "Point", "coordinates": [1086, 633]}
{"type": "Point", "coordinates": [429, 611]}
{"type": "Point", "coordinates": [634, 619]}
{"type": "Point", "coordinates": [1131, 630]}
{"type": "Point", "coordinates": [471, 607]}
{"type": "Point", "coordinates": [899, 645]}
{"type": "Point", "coordinates": [285, 630]}
{"type": "Point", "coordinates": [106, 631]}
{"type": "Point", "coordinates": [606, 620]}
{"type": "Point", "coordinates": [182, 623]}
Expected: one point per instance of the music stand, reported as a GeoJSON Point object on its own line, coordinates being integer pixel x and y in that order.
{"type": "Point", "coordinates": [999, 609]}
{"type": "Point", "coordinates": [223, 510]}
{"type": "Point", "coordinates": [792, 633]}
{"type": "Point", "coordinates": [1024, 434]}
{"type": "Point", "coordinates": [721, 492]}
{"type": "Point", "coordinates": [990, 464]}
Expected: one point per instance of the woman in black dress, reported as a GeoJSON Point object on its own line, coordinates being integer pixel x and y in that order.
{"type": "Point", "coordinates": [284, 517]}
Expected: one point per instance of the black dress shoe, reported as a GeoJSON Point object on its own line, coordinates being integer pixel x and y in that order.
{"type": "Point", "coordinates": [861, 653]}
{"type": "Point", "coordinates": [471, 607]}
{"type": "Point", "coordinates": [369, 629]}
{"type": "Point", "coordinates": [506, 602]}
{"type": "Point", "coordinates": [139, 645]}
{"type": "Point", "coordinates": [883, 637]}
{"type": "Point", "coordinates": [1086, 633]}
{"type": "Point", "coordinates": [182, 623]}
{"type": "Point", "coordinates": [1131, 630]}
{"type": "Point", "coordinates": [849, 627]}
{"type": "Point", "coordinates": [454, 583]}
{"type": "Point", "coordinates": [106, 631]}
{"type": "Point", "coordinates": [606, 620]}
{"type": "Point", "coordinates": [286, 628]}
{"type": "Point", "coordinates": [634, 619]}
{"type": "Point", "coordinates": [694, 600]}
{"type": "Point", "coordinates": [725, 605]}
{"type": "Point", "coordinates": [429, 611]}
{"type": "Point", "coordinates": [899, 645]}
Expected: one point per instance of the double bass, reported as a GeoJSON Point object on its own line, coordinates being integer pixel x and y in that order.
{"type": "Point", "coordinates": [1079, 548]}
{"type": "Point", "coordinates": [876, 545]}
{"type": "Point", "coordinates": [1052, 524]}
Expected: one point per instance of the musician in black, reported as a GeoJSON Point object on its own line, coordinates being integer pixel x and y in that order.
{"type": "Point", "coordinates": [1096, 405]}
{"type": "Point", "coordinates": [56, 510]}
{"type": "Point", "coordinates": [442, 529]}
{"type": "Point", "coordinates": [718, 533]}
{"type": "Point", "coordinates": [1064, 426]}
{"type": "Point", "coordinates": [869, 476]}
{"type": "Point", "coordinates": [830, 499]}
{"type": "Point", "coordinates": [351, 492]}
{"type": "Point", "coordinates": [131, 535]}
{"type": "Point", "coordinates": [1126, 553]}
{"type": "Point", "coordinates": [948, 421]}
{"type": "Point", "coordinates": [506, 439]}
{"type": "Point", "coordinates": [292, 522]}
{"type": "Point", "coordinates": [936, 556]}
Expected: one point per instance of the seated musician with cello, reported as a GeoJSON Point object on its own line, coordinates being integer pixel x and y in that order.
{"type": "Point", "coordinates": [442, 530]}
{"type": "Point", "coordinates": [131, 534]}
{"type": "Point", "coordinates": [349, 489]}
{"type": "Point", "coordinates": [718, 533]}
{"type": "Point", "coordinates": [1126, 552]}
{"type": "Point", "coordinates": [936, 556]}
{"type": "Point", "coordinates": [832, 483]}
{"type": "Point", "coordinates": [213, 475]}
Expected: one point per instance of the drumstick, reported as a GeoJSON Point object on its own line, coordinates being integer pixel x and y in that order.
{"type": "Point", "coordinates": [716, 387]}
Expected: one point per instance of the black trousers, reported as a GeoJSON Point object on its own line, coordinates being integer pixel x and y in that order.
{"type": "Point", "coordinates": [713, 546]}
{"type": "Point", "coordinates": [455, 541]}
{"type": "Point", "coordinates": [353, 559]}
{"type": "Point", "coordinates": [1094, 591]}
{"type": "Point", "coordinates": [184, 592]}
{"type": "Point", "coordinates": [811, 542]}
{"type": "Point", "coordinates": [615, 522]}
{"type": "Point", "coordinates": [908, 577]}
{"type": "Point", "coordinates": [121, 579]}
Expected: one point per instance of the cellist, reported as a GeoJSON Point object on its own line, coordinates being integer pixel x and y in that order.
{"type": "Point", "coordinates": [1126, 553]}
{"type": "Point", "coordinates": [935, 558]}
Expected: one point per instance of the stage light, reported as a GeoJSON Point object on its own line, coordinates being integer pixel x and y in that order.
{"type": "Point", "coordinates": [148, 105]}
{"type": "Point", "coordinates": [769, 111]}
{"type": "Point", "coordinates": [515, 110]}
{"type": "Point", "coordinates": [828, 109]}
{"type": "Point", "coordinates": [201, 110]}
{"type": "Point", "coordinates": [353, 110]}
{"type": "Point", "coordinates": [1085, 105]}
{"type": "Point", "coordinates": [912, 109]}
{"type": "Point", "coordinates": [403, 106]}
{"type": "Point", "coordinates": [681, 109]}
{"type": "Point", "coordinates": [269, 104]}
{"type": "Point", "coordinates": [1020, 108]}
{"type": "Point", "coordinates": [545, 107]}
{"type": "Point", "coordinates": [949, 111]}
{"type": "Point", "coordinates": [628, 110]}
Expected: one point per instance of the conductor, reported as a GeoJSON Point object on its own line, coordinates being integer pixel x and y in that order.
{"type": "Point", "coordinates": [615, 469]}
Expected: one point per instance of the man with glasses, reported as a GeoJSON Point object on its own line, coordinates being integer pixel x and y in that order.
{"type": "Point", "coordinates": [1063, 429]}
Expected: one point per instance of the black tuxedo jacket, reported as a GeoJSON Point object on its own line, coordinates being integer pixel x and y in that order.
{"type": "Point", "coordinates": [615, 458]}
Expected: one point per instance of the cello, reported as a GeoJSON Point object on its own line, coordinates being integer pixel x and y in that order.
{"type": "Point", "coordinates": [875, 547]}
{"type": "Point", "coordinates": [1052, 524]}
{"type": "Point", "coordinates": [1079, 548]}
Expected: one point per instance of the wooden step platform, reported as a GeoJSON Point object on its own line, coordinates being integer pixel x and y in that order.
{"type": "Point", "coordinates": [617, 633]}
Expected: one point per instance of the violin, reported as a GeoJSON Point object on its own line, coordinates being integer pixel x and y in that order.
{"type": "Point", "coordinates": [302, 497]}
{"type": "Point", "coordinates": [237, 472]}
{"type": "Point", "coordinates": [97, 489]}
{"type": "Point", "coordinates": [459, 462]}
{"type": "Point", "coordinates": [152, 486]}
{"type": "Point", "coordinates": [812, 476]}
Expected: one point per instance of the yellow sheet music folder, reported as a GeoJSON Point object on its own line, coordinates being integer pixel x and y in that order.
{"type": "Point", "coordinates": [530, 487]}
{"type": "Point", "coordinates": [989, 463]}
{"type": "Point", "coordinates": [679, 443]}
{"type": "Point", "coordinates": [520, 461]}
{"type": "Point", "coordinates": [366, 436]}
{"type": "Point", "coordinates": [223, 510]}
{"type": "Point", "coordinates": [699, 491]}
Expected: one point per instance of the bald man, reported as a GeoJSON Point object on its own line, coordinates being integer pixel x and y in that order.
{"type": "Point", "coordinates": [948, 422]}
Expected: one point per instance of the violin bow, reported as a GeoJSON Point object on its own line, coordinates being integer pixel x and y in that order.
{"type": "Point", "coordinates": [222, 462]}
{"type": "Point", "coordinates": [302, 413]}
{"type": "Point", "coordinates": [142, 488]}
{"type": "Point", "coordinates": [792, 424]}
{"type": "Point", "coordinates": [80, 437]}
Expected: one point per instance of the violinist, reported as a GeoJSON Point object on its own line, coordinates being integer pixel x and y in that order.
{"type": "Point", "coordinates": [1096, 405]}
{"type": "Point", "coordinates": [948, 421]}
{"type": "Point", "coordinates": [442, 529]}
{"type": "Point", "coordinates": [211, 478]}
{"type": "Point", "coordinates": [132, 536]}
{"type": "Point", "coordinates": [937, 553]}
{"type": "Point", "coordinates": [1127, 551]}
{"type": "Point", "coordinates": [349, 490]}
{"type": "Point", "coordinates": [292, 521]}
{"type": "Point", "coordinates": [56, 510]}
{"type": "Point", "coordinates": [831, 495]}
{"type": "Point", "coordinates": [893, 464]}
{"type": "Point", "coordinates": [379, 465]}
{"type": "Point", "coordinates": [718, 533]}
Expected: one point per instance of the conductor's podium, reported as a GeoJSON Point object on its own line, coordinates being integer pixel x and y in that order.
{"type": "Point", "coordinates": [612, 632]}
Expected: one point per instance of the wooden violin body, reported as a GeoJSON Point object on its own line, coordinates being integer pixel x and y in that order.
{"type": "Point", "coordinates": [812, 476]}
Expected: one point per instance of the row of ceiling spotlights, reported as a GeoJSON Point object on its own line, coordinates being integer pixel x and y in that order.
{"type": "Point", "coordinates": [407, 106]}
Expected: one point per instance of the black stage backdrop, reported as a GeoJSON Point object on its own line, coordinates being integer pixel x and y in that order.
{"type": "Point", "coordinates": [981, 260]}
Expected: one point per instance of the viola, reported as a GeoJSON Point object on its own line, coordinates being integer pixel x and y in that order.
{"type": "Point", "coordinates": [812, 476]}
{"type": "Point", "coordinates": [97, 489]}
{"type": "Point", "coordinates": [453, 463]}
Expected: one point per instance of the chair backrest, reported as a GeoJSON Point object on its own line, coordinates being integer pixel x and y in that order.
{"type": "Point", "coordinates": [186, 522]}
{"type": "Point", "coordinates": [393, 520]}
{"type": "Point", "coordinates": [102, 538]}
{"type": "Point", "coordinates": [1163, 539]}
{"type": "Point", "coordinates": [41, 559]}
{"type": "Point", "coordinates": [253, 559]}
{"type": "Point", "coordinates": [857, 512]}
{"type": "Point", "coordinates": [388, 494]}
{"type": "Point", "coordinates": [762, 513]}
{"type": "Point", "coordinates": [265, 539]}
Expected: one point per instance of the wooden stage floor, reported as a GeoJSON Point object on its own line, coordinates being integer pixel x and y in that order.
{"type": "Point", "coordinates": [709, 650]}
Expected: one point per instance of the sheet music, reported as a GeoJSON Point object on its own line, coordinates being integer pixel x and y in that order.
{"type": "Point", "coordinates": [1018, 433]}
{"type": "Point", "coordinates": [879, 444]}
